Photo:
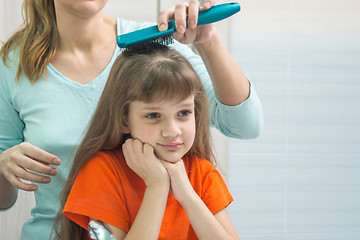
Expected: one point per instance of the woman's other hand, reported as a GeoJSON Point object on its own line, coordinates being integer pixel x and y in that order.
{"type": "Point", "coordinates": [29, 163]}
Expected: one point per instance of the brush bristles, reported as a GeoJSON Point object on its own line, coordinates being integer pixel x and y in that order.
{"type": "Point", "coordinates": [147, 46]}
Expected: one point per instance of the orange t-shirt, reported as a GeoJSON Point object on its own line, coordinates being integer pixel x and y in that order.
{"type": "Point", "coordinates": [106, 189]}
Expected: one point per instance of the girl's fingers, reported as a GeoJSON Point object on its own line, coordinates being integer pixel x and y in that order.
{"type": "Point", "coordinates": [128, 151]}
{"type": "Point", "coordinates": [141, 159]}
{"type": "Point", "coordinates": [148, 150]}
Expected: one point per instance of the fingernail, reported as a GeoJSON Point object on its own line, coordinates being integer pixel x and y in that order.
{"type": "Point", "coordinates": [162, 27]}
{"type": "Point", "coordinates": [207, 5]}
{"type": "Point", "coordinates": [53, 172]}
{"type": "Point", "coordinates": [180, 29]}
{"type": "Point", "coordinates": [46, 180]}
{"type": "Point", "coordinates": [33, 188]}
{"type": "Point", "coordinates": [192, 24]}
{"type": "Point", "coordinates": [56, 161]}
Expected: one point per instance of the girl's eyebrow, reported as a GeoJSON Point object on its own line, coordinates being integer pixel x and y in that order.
{"type": "Point", "coordinates": [182, 105]}
{"type": "Point", "coordinates": [150, 107]}
{"type": "Point", "coordinates": [185, 105]}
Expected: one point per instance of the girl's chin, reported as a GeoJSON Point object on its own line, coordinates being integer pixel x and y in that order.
{"type": "Point", "coordinates": [172, 161]}
{"type": "Point", "coordinates": [171, 158]}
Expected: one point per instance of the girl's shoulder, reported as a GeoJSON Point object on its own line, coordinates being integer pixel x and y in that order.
{"type": "Point", "coordinates": [108, 157]}
{"type": "Point", "coordinates": [109, 162]}
{"type": "Point", "coordinates": [198, 164]}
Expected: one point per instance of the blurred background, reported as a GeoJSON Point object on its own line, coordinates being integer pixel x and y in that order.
{"type": "Point", "coordinates": [300, 180]}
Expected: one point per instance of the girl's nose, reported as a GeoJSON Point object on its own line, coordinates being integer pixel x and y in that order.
{"type": "Point", "coordinates": [171, 128]}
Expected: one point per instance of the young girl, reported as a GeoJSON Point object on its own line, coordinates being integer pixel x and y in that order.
{"type": "Point", "coordinates": [145, 166]}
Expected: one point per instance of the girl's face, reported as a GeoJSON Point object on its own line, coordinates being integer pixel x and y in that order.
{"type": "Point", "coordinates": [166, 125]}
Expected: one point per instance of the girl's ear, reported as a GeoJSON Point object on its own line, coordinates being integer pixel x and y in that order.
{"type": "Point", "coordinates": [125, 129]}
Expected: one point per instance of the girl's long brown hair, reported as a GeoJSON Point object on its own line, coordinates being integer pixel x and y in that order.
{"type": "Point", "coordinates": [158, 74]}
{"type": "Point", "coordinates": [35, 42]}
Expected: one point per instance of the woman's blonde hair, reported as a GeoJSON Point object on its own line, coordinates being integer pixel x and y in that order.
{"type": "Point", "coordinates": [35, 42]}
{"type": "Point", "coordinates": [159, 74]}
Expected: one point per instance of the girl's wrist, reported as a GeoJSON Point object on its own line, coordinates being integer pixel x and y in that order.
{"type": "Point", "coordinates": [188, 197]}
{"type": "Point", "coordinates": [160, 187]}
{"type": "Point", "coordinates": [189, 200]}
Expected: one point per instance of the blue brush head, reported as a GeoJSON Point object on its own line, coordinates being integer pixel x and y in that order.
{"type": "Point", "coordinates": [147, 46]}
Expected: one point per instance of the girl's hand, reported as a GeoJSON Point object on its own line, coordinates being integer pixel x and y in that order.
{"type": "Point", "coordinates": [30, 163]}
{"type": "Point", "coordinates": [140, 157]}
{"type": "Point", "coordinates": [181, 187]}
{"type": "Point", "coordinates": [194, 34]}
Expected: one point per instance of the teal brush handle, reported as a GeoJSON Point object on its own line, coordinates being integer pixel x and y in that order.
{"type": "Point", "coordinates": [217, 13]}
{"type": "Point", "coordinates": [214, 14]}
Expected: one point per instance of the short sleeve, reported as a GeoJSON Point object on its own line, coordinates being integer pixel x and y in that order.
{"type": "Point", "coordinates": [96, 194]}
{"type": "Point", "coordinates": [215, 193]}
{"type": "Point", "coordinates": [244, 121]}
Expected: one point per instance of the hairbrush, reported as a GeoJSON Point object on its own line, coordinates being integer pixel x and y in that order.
{"type": "Point", "coordinates": [152, 34]}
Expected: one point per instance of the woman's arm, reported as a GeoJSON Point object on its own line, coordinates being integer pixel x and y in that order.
{"type": "Point", "coordinates": [231, 86]}
{"type": "Point", "coordinates": [8, 193]}
{"type": "Point", "coordinates": [235, 108]}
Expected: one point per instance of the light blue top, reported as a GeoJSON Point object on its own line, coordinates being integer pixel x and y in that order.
{"type": "Point", "coordinates": [52, 114]}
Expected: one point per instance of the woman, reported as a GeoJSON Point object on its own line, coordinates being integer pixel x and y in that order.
{"type": "Point", "coordinates": [52, 74]}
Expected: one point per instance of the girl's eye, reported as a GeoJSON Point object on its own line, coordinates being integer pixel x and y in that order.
{"type": "Point", "coordinates": [153, 115]}
{"type": "Point", "coordinates": [184, 113]}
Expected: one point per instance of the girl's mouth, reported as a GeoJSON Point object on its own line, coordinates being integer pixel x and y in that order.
{"type": "Point", "coordinates": [172, 145]}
